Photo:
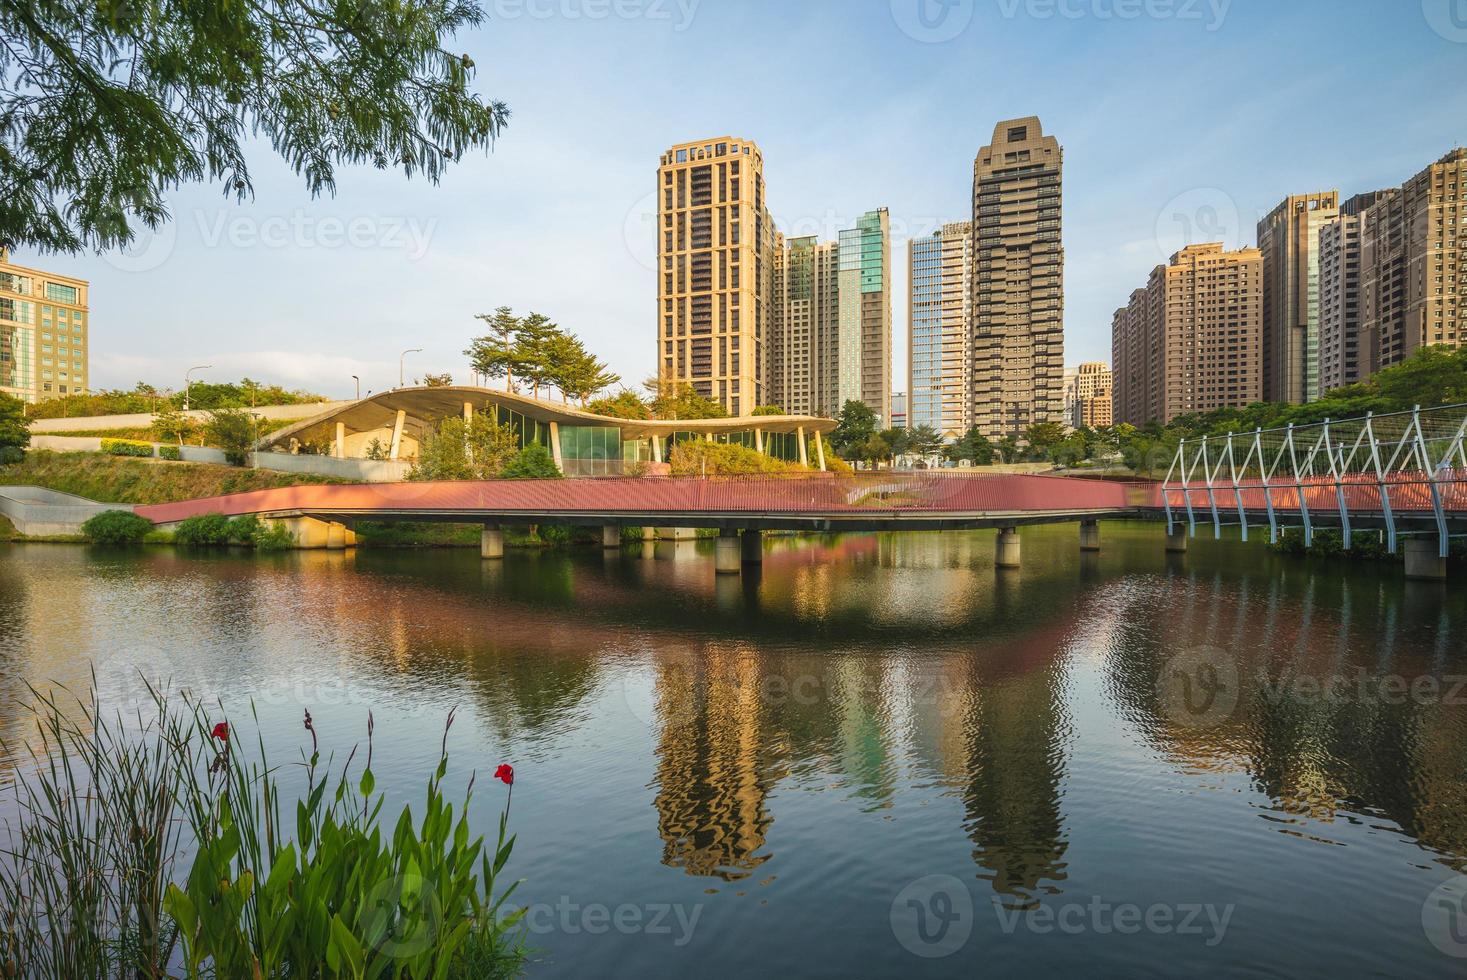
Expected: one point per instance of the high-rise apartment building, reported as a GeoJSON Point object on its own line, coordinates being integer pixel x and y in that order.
{"type": "Point", "coordinates": [714, 270]}
{"type": "Point", "coordinates": [1289, 240]}
{"type": "Point", "coordinates": [830, 329]}
{"type": "Point", "coordinates": [1090, 400]}
{"type": "Point", "coordinates": [1192, 340]}
{"type": "Point", "coordinates": [939, 330]}
{"type": "Point", "coordinates": [865, 313]}
{"type": "Point", "coordinates": [44, 330]}
{"type": "Point", "coordinates": [1413, 264]}
{"type": "Point", "coordinates": [1341, 359]}
{"type": "Point", "coordinates": [1018, 280]}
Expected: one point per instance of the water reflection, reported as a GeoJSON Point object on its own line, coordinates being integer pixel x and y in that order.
{"type": "Point", "coordinates": [896, 679]}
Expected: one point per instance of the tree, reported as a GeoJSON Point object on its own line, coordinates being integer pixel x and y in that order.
{"type": "Point", "coordinates": [534, 462]}
{"type": "Point", "coordinates": [923, 440]}
{"type": "Point", "coordinates": [171, 424]}
{"type": "Point", "coordinates": [458, 449]}
{"type": "Point", "coordinates": [626, 404]}
{"type": "Point", "coordinates": [677, 400]}
{"type": "Point", "coordinates": [535, 346]}
{"type": "Point", "coordinates": [973, 446]}
{"type": "Point", "coordinates": [1042, 436]}
{"type": "Point", "coordinates": [438, 380]}
{"type": "Point", "coordinates": [493, 355]}
{"type": "Point", "coordinates": [854, 426]}
{"type": "Point", "coordinates": [15, 435]}
{"type": "Point", "coordinates": [896, 443]}
{"type": "Point", "coordinates": [232, 430]}
{"type": "Point", "coordinates": [108, 106]}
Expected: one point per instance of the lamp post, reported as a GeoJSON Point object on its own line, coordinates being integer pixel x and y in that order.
{"type": "Point", "coordinates": [188, 381]}
{"type": "Point", "coordinates": [401, 357]}
{"type": "Point", "coordinates": [359, 386]}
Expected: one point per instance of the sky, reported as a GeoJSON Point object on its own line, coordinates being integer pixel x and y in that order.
{"type": "Point", "coordinates": [1180, 121]}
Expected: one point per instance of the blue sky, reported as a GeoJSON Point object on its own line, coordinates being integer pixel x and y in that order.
{"type": "Point", "coordinates": [1180, 120]}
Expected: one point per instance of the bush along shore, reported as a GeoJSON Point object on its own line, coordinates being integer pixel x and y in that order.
{"type": "Point", "coordinates": [156, 845]}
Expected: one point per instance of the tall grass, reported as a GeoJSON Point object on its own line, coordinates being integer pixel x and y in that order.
{"type": "Point", "coordinates": [153, 845]}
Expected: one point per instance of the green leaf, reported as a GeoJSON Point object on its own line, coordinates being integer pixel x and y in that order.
{"type": "Point", "coordinates": [368, 781]}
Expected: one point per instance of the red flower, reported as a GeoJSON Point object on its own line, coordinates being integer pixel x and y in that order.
{"type": "Point", "coordinates": [221, 731]}
{"type": "Point", "coordinates": [505, 773]}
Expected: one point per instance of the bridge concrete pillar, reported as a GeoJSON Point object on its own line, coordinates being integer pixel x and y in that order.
{"type": "Point", "coordinates": [1089, 535]}
{"type": "Point", "coordinates": [307, 531]}
{"type": "Point", "coordinates": [610, 536]}
{"type": "Point", "coordinates": [1006, 551]}
{"type": "Point", "coordinates": [335, 536]}
{"type": "Point", "coordinates": [1424, 560]}
{"type": "Point", "coordinates": [752, 546]}
{"type": "Point", "coordinates": [1176, 542]}
{"type": "Point", "coordinates": [677, 533]}
{"type": "Point", "coordinates": [726, 557]}
{"type": "Point", "coordinates": [491, 542]}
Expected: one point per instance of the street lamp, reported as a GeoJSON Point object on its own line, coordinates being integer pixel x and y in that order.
{"type": "Point", "coordinates": [188, 381]}
{"type": "Point", "coordinates": [401, 357]}
{"type": "Point", "coordinates": [359, 386]}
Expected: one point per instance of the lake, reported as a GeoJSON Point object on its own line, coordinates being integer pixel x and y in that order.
{"type": "Point", "coordinates": [877, 755]}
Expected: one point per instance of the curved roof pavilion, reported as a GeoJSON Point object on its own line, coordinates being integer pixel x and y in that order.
{"type": "Point", "coordinates": [583, 444]}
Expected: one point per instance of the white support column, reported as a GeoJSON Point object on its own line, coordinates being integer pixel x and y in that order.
{"type": "Point", "coordinates": [491, 542]}
{"type": "Point", "coordinates": [800, 435]}
{"type": "Point", "coordinates": [397, 434]}
{"type": "Point", "coordinates": [341, 440]}
{"type": "Point", "coordinates": [656, 449]}
{"type": "Point", "coordinates": [759, 440]}
{"type": "Point", "coordinates": [1006, 549]}
{"type": "Point", "coordinates": [335, 536]}
{"type": "Point", "coordinates": [1089, 535]}
{"type": "Point", "coordinates": [1423, 560]}
{"type": "Point", "coordinates": [555, 446]}
{"type": "Point", "coordinates": [610, 536]}
{"type": "Point", "coordinates": [819, 451]}
{"type": "Point", "coordinates": [727, 559]}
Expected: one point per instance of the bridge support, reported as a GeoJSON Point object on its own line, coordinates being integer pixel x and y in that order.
{"type": "Point", "coordinates": [1006, 550]}
{"type": "Point", "coordinates": [752, 546]}
{"type": "Point", "coordinates": [1089, 535]}
{"type": "Point", "coordinates": [726, 556]}
{"type": "Point", "coordinates": [308, 532]}
{"type": "Point", "coordinates": [610, 536]}
{"type": "Point", "coordinates": [677, 533]}
{"type": "Point", "coordinates": [1424, 560]}
{"type": "Point", "coordinates": [1176, 542]}
{"type": "Point", "coordinates": [491, 542]}
{"type": "Point", "coordinates": [336, 536]}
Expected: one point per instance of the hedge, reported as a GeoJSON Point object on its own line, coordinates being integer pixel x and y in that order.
{"type": "Point", "coordinates": [174, 453]}
{"type": "Point", "coordinates": [127, 447]}
{"type": "Point", "coordinates": [116, 527]}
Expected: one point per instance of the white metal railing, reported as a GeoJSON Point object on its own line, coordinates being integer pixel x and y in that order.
{"type": "Point", "coordinates": [1403, 459]}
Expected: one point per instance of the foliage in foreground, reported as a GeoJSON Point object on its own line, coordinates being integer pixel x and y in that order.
{"type": "Point", "coordinates": [699, 457]}
{"type": "Point", "coordinates": [13, 431]}
{"type": "Point", "coordinates": [116, 527]}
{"type": "Point", "coordinates": [93, 881]}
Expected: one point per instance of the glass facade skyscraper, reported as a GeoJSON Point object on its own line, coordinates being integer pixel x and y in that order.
{"type": "Point", "coordinates": [938, 325]}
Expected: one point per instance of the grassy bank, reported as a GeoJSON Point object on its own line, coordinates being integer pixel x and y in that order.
{"type": "Point", "coordinates": [7, 530]}
{"type": "Point", "coordinates": [117, 479]}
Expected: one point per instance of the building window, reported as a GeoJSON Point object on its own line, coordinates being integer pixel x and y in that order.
{"type": "Point", "coordinates": [59, 293]}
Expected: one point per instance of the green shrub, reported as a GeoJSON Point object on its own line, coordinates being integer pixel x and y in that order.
{"type": "Point", "coordinates": [10, 455]}
{"type": "Point", "coordinates": [245, 528]}
{"type": "Point", "coordinates": [534, 462]}
{"type": "Point", "coordinates": [203, 530]}
{"type": "Point", "coordinates": [174, 453]}
{"type": "Point", "coordinates": [274, 537]}
{"type": "Point", "coordinates": [126, 447]}
{"type": "Point", "coordinates": [116, 527]}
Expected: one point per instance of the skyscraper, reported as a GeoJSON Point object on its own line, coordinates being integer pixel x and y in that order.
{"type": "Point", "coordinates": [865, 314]}
{"type": "Point", "coordinates": [1413, 264]}
{"type": "Point", "coordinates": [1341, 359]}
{"type": "Point", "coordinates": [939, 330]}
{"type": "Point", "coordinates": [1289, 240]}
{"type": "Point", "coordinates": [1091, 405]}
{"type": "Point", "coordinates": [803, 348]}
{"type": "Point", "coordinates": [830, 332]}
{"type": "Point", "coordinates": [1018, 280]}
{"type": "Point", "coordinates": [1191, 341]}
{"type": "Point", "coordinates": [44, 329]}
{"type": "Point", "coordinates": [714, 252]}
